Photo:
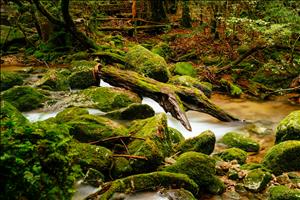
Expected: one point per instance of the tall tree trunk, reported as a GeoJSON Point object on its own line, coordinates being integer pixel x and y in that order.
{"type": "Point", "coordinates": [158, 13]}
{"type": "Point", "coordinates": [186, 17]}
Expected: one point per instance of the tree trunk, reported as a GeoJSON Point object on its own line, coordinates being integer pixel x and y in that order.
{"type": "Point", "coordinates": [186, 17]}
{"type": "Point", "coordinates": [158, 13]}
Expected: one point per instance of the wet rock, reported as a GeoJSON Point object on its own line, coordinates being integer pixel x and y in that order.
{"type": "Point", "coordinates": [251, 166]}
{"type": "Point", "coordinates": [283, 157]}
{"type": "Point", "coordinates": [232, 195]}
{"type": "Point", "coordinates": [185, 68]}
{"type": "Point", "coordinates": [283, 193]}
{"type": "Point", "coordinates": [150, 181]}
{"type": "Point", "coordinates": [188, 81]}
{"type": "Point", "coordinates": [204, 143]}
{"type": "Point", "coordinates": [91, 128]}
{"type": "Point", "coordinates": [147, 63]}
{"type": "Point", "coordinates": [289, 128]}
{"type": "Point", "coordinates": [178, 194]}
{"type": "Point", "coordinates": [9, 114]}
{"type": "Point", "coordinates": [121, 168]}
{"type": "Point", "coordinates": [24, 98]}
{"type": "Point", "coordinates": [93, 177]}
{"type": "Point", "coordinates": [69, 114]}
{"type": "Point", "coordinates": [53, 80]}
{"type": "Point", "coordinates": [234, 154]}
{"type": "Point", "coordinates": [256, 180]}
{"type": "Point", "coordinates": [10, 79]}
{"type": "Point", "coordinates": [175, 136]}
{"type": "Point", "coordinates": [131, 112]}
{"type": "Point", "coordinates": [199, 167]}
{"type": "Point", "coordinates": [109, 98]}
{"type": "Point", "coordinates": [233, 139]}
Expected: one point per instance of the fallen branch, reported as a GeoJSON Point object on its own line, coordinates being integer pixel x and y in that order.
{"type": "Point", "coordinates": [116, 138]}
{"type": "Point", "coordinates": [131, 28]}
{"type": "Point", "coordinates": [130, 156]}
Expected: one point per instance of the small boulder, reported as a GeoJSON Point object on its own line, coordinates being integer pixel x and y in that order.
{"type": "Point", "coordinates": [283, 157]}
{"type": "Point", "coordinates": [185, 68]}
{"type": "Point", "coordinates": [10, 114]}
{"type": "Point", "coordinates": [121, 168]}
{"type": "Point", "coordinates": [233, 154]}
{"type": "Point", "coordinates": [283, 193]}
{"type": "Point", "coordinates": [53, 80]}
{"type": "Point", "coordinates": [289, 128]}
{"type": "Point", "coordinates": [204, 143]}
{"type": "Point", "coordinates": [256, 180]}
{"type": "Point", "coordinates": [24, 98]}
{"type": "Point", "coordinates": [10, 79]}
{"type": "Point", "coordinates": [147, 63]}
{"type": "Point", "coordinates": [233, 139]}
{"type": "Point", "coordinates": [69, 114]}
{"type": "Point", "coordinates": [163, 49]}
{"type": "Point", "coordinates": [175, 136]}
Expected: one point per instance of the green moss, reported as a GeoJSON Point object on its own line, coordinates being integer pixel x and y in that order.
{"type": "Point", "coordinates": [147, 63]}
{"type": "Point", "coordinates": [256, 180]}
{"type": "Point", "coordinates": [211, 60]}
{"type": "Point", "coordinates": [121, 168]}
{"type": "Point", "coordinates": [283, 157]}
{"type": "Point", "coordinates": [9, 114]}
{"type": "Point", "coordinates": [251, 166]}
{"type": "Point", "coordinates": [199, 167]}
{"type": "Point", "coordinates": [233, 139]}
{"type": "Point", "coordinates": [131, 112]}
{"type": "Point", "coordinates": [283, 193]}
{"type": "Point", "coordinates": [93, 177]}
{"type": "Point", "coordinates": [10, 79]}
{"type": "Point", "coordinates": [150, 181]}
{"type": "Point", "coordinates": [185, 68]}
{"type": "Point", "coordinates": [90, 128]}
{"type": "Point", "coordinates": [53, 80]}
{"type": "Point", "coordinates": [9, 34]}
{"type": "Point", "coordinates": [234, 154]}
{"type": "Point", "coordinates": [163, 49]}
{"type": "Point", "coordinates": [82, 64]}
{"type": "Point", "coordinates": [233, 89]}
{"type": "Point", "coordinates": [24, 98]}
{"type": "Point", "coordinates": [289, 128]}
{"type": "Point", "coordinates": [69, 114]}
{"type": "Point", "coordinates": [204, 143]}
{"type": "Point", "coordinates": [82, 79]}
{"type": "Point", "coordinates": [109, 98]}
{"type": "Point", "coordinates": [175, 136]}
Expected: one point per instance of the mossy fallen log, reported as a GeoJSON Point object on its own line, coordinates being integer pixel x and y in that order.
{"type": "Point", "coordinates": [174, 99]}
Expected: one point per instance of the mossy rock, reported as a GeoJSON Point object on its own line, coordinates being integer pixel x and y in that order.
{"type": "Point", "coordinates": [233, 89]}
{"type": "Point", "coordinates": [150, 181]}
{"type": "Point", "coordinates": [24, 98]}
{"type": "Point", "coordinates": [69, 114]}
{"type": "Point", "coordinates": [10, 115]}
{"type": "Point", "coordinates": [251, 166]}
{"type": "Point", "coordinates": [256, 180]}
{"type": "Point", "coordinates": [155, 146]}
{"type": "Point", "coordinates": [90, 128]}
{"type": "Point", "coordinates": [178, 194]}
{"type": "Point", "coordinates": [204, 143]}
{"type": "Point", "coordinates": [121, 168]}
{"type": "Point", "coordinates": [283, 157]}
{"type": "Point", "coordinates": [9, 34]}
{"type": "Point", "coordinates": [109, 98]}
{"type": "Point", "coordinates": [283, 193]}
{"type": "Point", "coordinates": [233, 154]}
{"type": "Point", "coordinates": [53, 80]}
{"type": "Point", "coordinates": [93, 177]}
{"type": "Point", "coordinates": [82, 64]}
{"type": "Point", "coordinates": [82, 79]}
{"type": "Point", "coordinates": [188, 81]}
{"type": "Point", "coordinates": [10, 79]}
{"type": "Point", "coordinates": [132, 112]}
{"type": "Point", "coordinates": [147, 63]}
{"type": "Point", "coordinates": [289, 128]}
{"type": "Point", "coordinates": [185, 68]}
{"type": "Point", "coordinates": [233, 139]}
{"type": "Point", "coordinates": [199, 167]}
{"type": "Point", "coordinates": [163, 49]}
{"type": "Point", "coordinates": [91, 156]}
{"type": "Point", "coordinates": [175, 136]}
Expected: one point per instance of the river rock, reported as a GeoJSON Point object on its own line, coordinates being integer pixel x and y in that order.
{"type": "Point", "coordinates": [53, 80]}
{"type": "Point", "coordinates": [283, 193]}
{"type": "Point", "coordinates": [185, 68]}
{"type": "Point", "coordinates": [110, 98]}
{"type": "Point", "coordinates": [10, 79]}
{"type": "Point", "coordinates": [175, 135]}
{"type": "Point", "coordinates": [199, 167]}
{"type": "Point", "coordinates": [24, 98]}
{"type": "Point", "coordinates": [131, 112]}
{"type": "Point", "coordinates": [147, 63]}
{"type": "Point", "coordinates": [188, 81]}
{"type": "Point", "coordinates": [256, 180]}
{"type": "Point", "coordinates": [69, 114]}
{"type": "Point", "coordinates": [10, 114]}
{"type": "Point", "coordinates": [121, 168]}
{"type": "Point", "coordinates": [233, 154]}
{"type": "Point", "coordinates": [234, 139]}
{"type": "Point", "coordinates": [283, 157]}
{"type": "Point", "coordinates": [204, 143]}
{"type": "Point", "coordinates": [289, 128]}
{"type": "Point", "coordinates": [178, 194]}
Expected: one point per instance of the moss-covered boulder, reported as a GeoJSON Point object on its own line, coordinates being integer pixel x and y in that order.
{"type": "Point", "coordinates": [147, 63]}
{"type": "Point", "coordinates": [204, 143]}
{"type": "Point", "coordinates": [10, 115]}
{"type": "Point", "coordinates": [121, 168]}
{"type": "Point", "coordinates": [93, 177]}
{"type": "Point", "coordinates": [283, 193]}
{"type": "Point", "coordinates": [256, 180]}
{"type": "Point", "coordinates": [90, 128]}
{"type": "Point", "coordinates": [283, 157]}
{"type": "Point", "coordinates": [69, 114]}
{"type": "Point", "coordinates": [188, 81]}
{"type": "Point", "coordinates": [91, 156]}
{"type": "Point", "coordinates": [109, 98]}
{"type": "Point", "coordinates": [163, 49]}
{"type": "Point", "coordinates": [234, 139]}
{"type": "Point", "coordinates": [131, 112]}
{"type": "Point", "coordinates": [24, 98]}
{"type": "Point", "coordinates": [9, 34]}
{"type": "Point", "coordinates": [10, 79]}
{"type": "Point", "coordinates": [53, 80]}
{"type": "Point", "coordinates": [178, 194]}
{"type": "Point", "coordinates": [289, 128]}
{"type": "Point", "coordinates": [199, 167]}
{"type": "Point", "coordinates": [175, 136]}
{"type": "Point", "coordinates": [185, 68]}
{"type": "Point", "coordinates": [233, 154]}
{"type": "Point", "coordinates": [150, 181]}
{"type": "Point", "coordinates": [233, 89]}
{"type": "Point", "coordinates": [154, 145]}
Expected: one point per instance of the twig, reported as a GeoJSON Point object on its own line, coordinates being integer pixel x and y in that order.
{"type": "Point", "coordinates": [285, 90]}
{"type": "Point", "coordinates": [127, 150]}
{"type": "Point", "coordinates": [116, 138]}
{"type": "Point", "coordinates": [130, 156]}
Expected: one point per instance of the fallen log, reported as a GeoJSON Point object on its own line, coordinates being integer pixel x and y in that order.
{"type": "Point", "coordinates": [174, 99]}
{"type": "Point", "coordinates": [131, 28]}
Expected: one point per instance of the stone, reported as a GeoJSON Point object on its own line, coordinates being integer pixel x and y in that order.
{"type": "Point", "coordinates": [233, 154]}
{"type": "Point", "coordinates": [53, 80]}
{"type": "Point", "coordinates": [93, 177]}
{"type": "Point", "coordinates": [69, 114]}
{"type": "Point", "coordinates": [256, 180]}
{"type": "Point", "coordinates": [283, 193]}
{"type": "Point", "coordinates": [121, 168]}
{"type": "Point", "coordinates": [10, 79]}
{"type": "Point", "coordinates": [10, 114]}
{"type": "Point", "coordinates": [175, 136]}
{"type": "Point", "coordinates": [185, 68]}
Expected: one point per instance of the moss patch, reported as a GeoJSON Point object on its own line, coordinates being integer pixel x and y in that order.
{"type": "Point", "coordinates": [256, 180]}
{"type": "Point", "coordinates": [185, 68]}
{"type": "Point", "coordinates": [234, 154]}
{"type": "Point", "coordinates": [69, 114]}
{"type": "Point", "coordinates": [53, 80]}
{"type": "Point", "coordinates": [283, 193]}
{"type": "Point", "coordinates": [9, 115]}
{"type": "Point", "coordinates": [10, 79]}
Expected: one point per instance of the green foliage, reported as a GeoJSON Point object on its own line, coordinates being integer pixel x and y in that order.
{"type": "Point", "coordinates": [10, 79]}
